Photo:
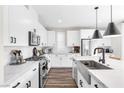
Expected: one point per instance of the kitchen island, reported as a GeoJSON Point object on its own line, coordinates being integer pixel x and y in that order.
{"type": "Point", "coordinates": [111, 78]}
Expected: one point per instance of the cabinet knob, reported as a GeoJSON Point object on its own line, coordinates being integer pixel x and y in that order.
{"type": "Point", "coordinates": [11, 39]}
{"type": "Point", "coordinates": [34, 69]}
{"type": "Point", "coordinates": [28, 84]}
{"type": "Point", "coordinates": [96, 86]}
{"type": "Point", "coordinates": [14, 40]}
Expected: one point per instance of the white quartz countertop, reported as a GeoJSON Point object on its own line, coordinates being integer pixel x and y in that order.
{"type": "Point", "coordinates": [113, 78]}
{"type": "Point", "coordinates": [13, 72]}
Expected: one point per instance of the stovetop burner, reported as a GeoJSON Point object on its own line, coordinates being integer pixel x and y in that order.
{"type": "Point", "coordinates": [34, 58]}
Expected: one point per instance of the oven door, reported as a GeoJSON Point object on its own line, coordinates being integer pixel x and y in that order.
{"type": "Point", "coordinates": [43, 75]}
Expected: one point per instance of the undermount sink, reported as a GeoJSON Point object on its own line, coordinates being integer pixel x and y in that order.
{"type": "Point", "coordinates": [90, 64]}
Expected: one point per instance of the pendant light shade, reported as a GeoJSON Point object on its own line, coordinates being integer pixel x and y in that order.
{"type": "Point", "coordinates": [96, 34]}
{"type": "Point", "coordinates": [111, 29]}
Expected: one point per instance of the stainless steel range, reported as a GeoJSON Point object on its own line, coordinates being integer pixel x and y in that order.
{"type": "Point", "coordinates": [43, 68]}
{"type": "Point", "coordinates": [43, 71]}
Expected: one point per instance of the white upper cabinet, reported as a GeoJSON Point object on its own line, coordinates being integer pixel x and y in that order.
{"type": "Point", "coordinates": [43, 35]}
{"type": "Point", "coordinates": [17, 22]}
{"type": "Point", "coordinates": [73, 38]}
{"type": "Point", "coordinates": [51, 38]}
{"type": "Point", "coordinates": [86, 33]}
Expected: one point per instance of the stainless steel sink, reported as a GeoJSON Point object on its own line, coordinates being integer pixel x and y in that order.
{"type": "Point", "coordinates": [87, 65]}
{"type": "Point", "coordinates": [90, 64]}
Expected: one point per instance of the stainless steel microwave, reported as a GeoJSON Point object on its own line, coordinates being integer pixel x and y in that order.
{"type": "Point", "coordinates": [34, 39]}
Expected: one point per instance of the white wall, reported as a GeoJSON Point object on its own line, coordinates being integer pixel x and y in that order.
{"type": "Point", "coordinates": [34, 14]}
{"type": "Point", "coordinates": [100, 42]}
{"type": "Point", "coordinates": [116, 46]}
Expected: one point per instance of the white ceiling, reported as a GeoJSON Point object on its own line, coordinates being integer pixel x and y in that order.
{"type": "Point", "coordinates": [74, 16]}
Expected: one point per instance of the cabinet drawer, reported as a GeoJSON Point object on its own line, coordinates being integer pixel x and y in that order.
{"type": "Point", "coordinates": [96, 83]}
{"type": "Point", "coordinates": [30, 76]}
{"type": "Point", "coordinates": [18, 84]}
{"type": "Point", "coordinates": [82, 83]}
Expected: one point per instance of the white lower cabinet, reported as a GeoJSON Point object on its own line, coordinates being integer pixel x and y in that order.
{"type": "Point", "coordinates": [34, 79]}
{"type": "Point", "coordinates": [82, 83]}
{"type": "Point", "coordinates": [29, 80]}
{"type": "Point", "coordinates": [60, 61]}
{"type": "Point", "coordinates": [55, 61]}
{"type": "Point", "coordinates": [18, 84]}
{"type": "Point", "coordinates": [95, 83]}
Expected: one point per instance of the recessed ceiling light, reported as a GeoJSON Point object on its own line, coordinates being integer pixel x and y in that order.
{"type": "Point", "coordinates": [59, 21]}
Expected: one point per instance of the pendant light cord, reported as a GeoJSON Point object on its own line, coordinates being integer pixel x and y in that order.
{"type": "Point", "coordinates": [111, 12]}
{"type": "Point", "coordinates": [96, 16]}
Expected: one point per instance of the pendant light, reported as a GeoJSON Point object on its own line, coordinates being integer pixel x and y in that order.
{"type": "Point", "coordinates": [111, 29]}
{"type": "Point", "coordinates": [96, 34]}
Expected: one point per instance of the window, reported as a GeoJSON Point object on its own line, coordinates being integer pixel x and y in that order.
{"type": "Point", "coordinates": [61, 38]}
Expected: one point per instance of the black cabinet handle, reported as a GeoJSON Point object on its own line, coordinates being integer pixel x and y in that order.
{"type": "Point", "coordinates": [11, 39]}
{"type": "Point", "coordinates": [96, 86]}
{"type": "Point", "coordinates": [29, 83]}
{"type": "Point", "coordinates": [81, 83]}
{"type": "Point", "coordinates": [14, 40]}
{"type": "Point", "coordinates": [16, 85]}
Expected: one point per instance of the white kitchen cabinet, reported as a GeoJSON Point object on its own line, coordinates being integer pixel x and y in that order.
{"type": "Point", "coordinates": [61, 61]}
{"type": "Point", "coordinates": [95, 83]}
{"type": "Point", "coordinates": [43, 34]}
{"type": "Point", "coordinates": [30, 79]}
{"type": "Point", "coordinates": [19, 83]}
{"type": "Point", "coordinates": [34, 77]}
{"type": "Point", "coordinates": [64, 60]}
{"type": "Point", "coordinates": [51, 38]}
{"type": "Point", "coordinates": [86, 33]}
{"type": "Point", "coordinates": [74, 71]}
{"type": "Point", "coordinates": [69, 60]}
{"type": "Point", "coordinates": [56, 61]}
{"type": "Point", "coordinates": [73, 38]}
{"type": "Point", "coordinates": [17, 22]}
{"type": "Point", "coordinates": [82, 83]}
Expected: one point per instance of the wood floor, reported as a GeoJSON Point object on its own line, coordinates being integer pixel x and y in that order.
{"type": "Point", "coordinates": [60, 78]}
